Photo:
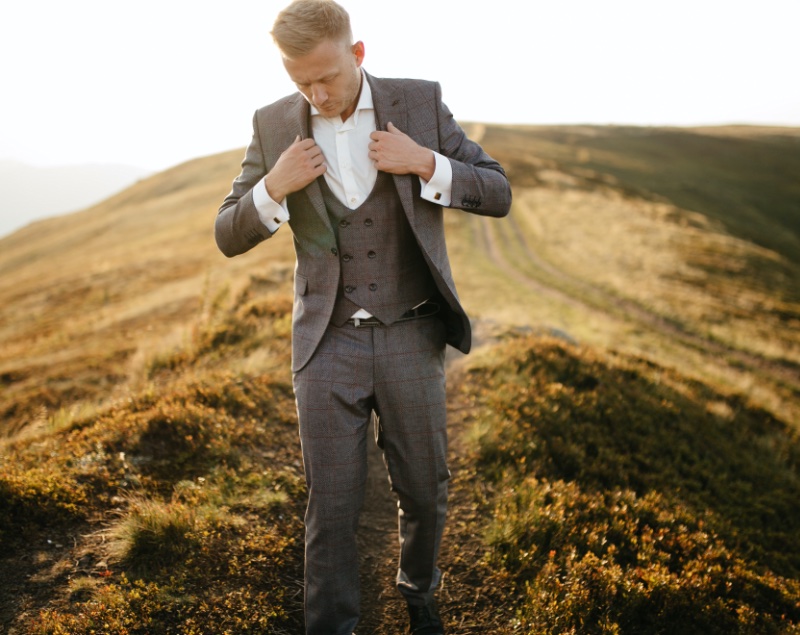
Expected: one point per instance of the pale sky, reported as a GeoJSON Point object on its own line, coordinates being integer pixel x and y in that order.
{"type": "Point", "coordinates": [152, 83]}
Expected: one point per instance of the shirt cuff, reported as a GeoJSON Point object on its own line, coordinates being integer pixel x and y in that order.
{"type": "Point", "coordinates": [439, 188]}
{"type": "Point", "coordinates": [271, 213]}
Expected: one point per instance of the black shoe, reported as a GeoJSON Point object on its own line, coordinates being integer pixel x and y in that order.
{"type": "Point", "coordinates": [425, 620]}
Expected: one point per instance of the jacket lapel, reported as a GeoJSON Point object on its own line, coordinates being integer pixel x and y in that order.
{"type": "Point", "coordinates": [297, 123]}
{"type": "Point", "coordinates": [390, 105]}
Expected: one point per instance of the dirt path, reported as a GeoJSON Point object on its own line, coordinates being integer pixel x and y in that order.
{"type": "Point", "coordinates": [378, 548]}
{"type": "Point", "coordinates": [461, 595]}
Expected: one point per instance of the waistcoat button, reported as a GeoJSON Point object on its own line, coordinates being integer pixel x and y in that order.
{"type": "Point", "coordinates": [347, 257]}
{"type": "Point", "coordinates": [371, 254]}
{"type": "Point", "coordinates": [373, 287]}
{"type": "Point", "coordinates": [349, 288]}
{"type": "Point", "coordinates": [344, 223]}
{"type": "Point", "coordinates": [368, 222]}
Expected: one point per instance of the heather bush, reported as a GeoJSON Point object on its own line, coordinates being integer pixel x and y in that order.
{"type": "Point", "coordinates": [620, 503]}
{"type": "Point", "coordinates": [198, 487]}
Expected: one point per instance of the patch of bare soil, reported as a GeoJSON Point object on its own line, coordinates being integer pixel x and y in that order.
{"type": "Point", "coordinates": [35, 566]}
{"type": "Point", "coordinates": [382, 606]}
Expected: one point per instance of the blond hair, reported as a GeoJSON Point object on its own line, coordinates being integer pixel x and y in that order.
{"type": "Point", "coordinates": [304, 24]}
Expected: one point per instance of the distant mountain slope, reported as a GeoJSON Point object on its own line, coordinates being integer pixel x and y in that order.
{"type": "Point", "coordinates": [28, 193]}
{"type": "Point", "coordinates": [745, 177]}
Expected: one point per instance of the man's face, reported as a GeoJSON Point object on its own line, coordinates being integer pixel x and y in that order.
{"type": "Point", "coordinates": [329, 77]}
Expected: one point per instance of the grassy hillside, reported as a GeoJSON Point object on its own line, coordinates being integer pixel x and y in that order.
{"type": "Point", "coordinates": [639, 479]}
{"type": "Point", "coordinates": [742, 177]}
{"type": "Point", "coordinates": [618, 265]}
{"type": "Point", "coordinates": [178, 509]}
{"type": "Point", "coordinates": [621, 498]}
{"type": "Point", "coordinates": [86, 297]}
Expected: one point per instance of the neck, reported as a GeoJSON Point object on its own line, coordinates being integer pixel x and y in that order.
{"type": "Point", "coordinates": [352, 108]}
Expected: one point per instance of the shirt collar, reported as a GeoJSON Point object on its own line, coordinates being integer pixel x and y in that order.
{"type": "Point", "coordinates": [364, 100]}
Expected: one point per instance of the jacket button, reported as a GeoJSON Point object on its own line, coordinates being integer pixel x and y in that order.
{"type": "Point", "coordinates": [368, 222]}
{"type": "Point", "coordinates": [347, 257]}
{"type": "Point", "coordinates": [334, 251]}
{"type": "Point", "coordinates": [373, 287]}
{"type": "Point", "coordinates": [371, 254]}
{"type": "Point", "coordinates": [349, 288]}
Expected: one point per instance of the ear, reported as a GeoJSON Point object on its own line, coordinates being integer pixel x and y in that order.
{"type": "Point", "coordinates": [358, 51]}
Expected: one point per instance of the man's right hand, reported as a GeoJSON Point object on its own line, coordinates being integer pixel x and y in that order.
{"type": "Point", "coordinates": [298, 165]}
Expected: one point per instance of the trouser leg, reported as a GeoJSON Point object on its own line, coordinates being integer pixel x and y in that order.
{"type": "Point", "coordinates": [411, 403]}
{"type": "Point", "coordinates": [334, 406]}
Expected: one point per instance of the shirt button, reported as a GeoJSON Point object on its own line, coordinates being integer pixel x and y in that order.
{"type": "Point", "coordinates": [334, 251]}
{"type": "Point", "coordinates": [371, 254]}
{"type": "Point", "coordinates": [368, 222]}
{"type": "Point", "coordinates": [353, 199]}
{"type": "Point", "coordinates": [347, 257]}
{"type": "Point", "coordinates": [343, 223]}
{"type": "Point", "coordinates": [349, 288]}
{"type": "Point", "coordinates": [373, 287]}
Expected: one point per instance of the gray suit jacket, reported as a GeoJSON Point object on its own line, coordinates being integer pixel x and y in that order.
{"type": "Point", "coordinates": [413, 106]}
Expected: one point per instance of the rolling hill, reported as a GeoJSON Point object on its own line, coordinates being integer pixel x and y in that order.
{"type": "Point", "coordinates": [625, 436]}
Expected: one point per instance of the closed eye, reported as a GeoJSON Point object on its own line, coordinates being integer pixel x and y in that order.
{"type": "Point", "coordinates": [325, 80]}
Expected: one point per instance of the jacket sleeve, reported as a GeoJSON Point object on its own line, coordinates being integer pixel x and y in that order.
{"type": "Point", "coordinates": [479, 182]}
{"type": "Point", "coordinates": [238, 227]}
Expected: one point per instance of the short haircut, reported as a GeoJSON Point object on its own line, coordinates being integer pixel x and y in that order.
{"type": "Point", "coordinates": [304, 24]}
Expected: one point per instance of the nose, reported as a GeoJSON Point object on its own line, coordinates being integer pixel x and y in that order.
{"type": "Point", "coordinates": [318, 94]}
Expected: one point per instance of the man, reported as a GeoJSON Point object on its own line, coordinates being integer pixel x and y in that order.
{"type": "Point", "coordinates": [361, 168]}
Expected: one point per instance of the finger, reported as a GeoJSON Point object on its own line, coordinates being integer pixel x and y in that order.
{"type": "Point", "coordinates": [393, 129]}
{"type": "Point", "coordinates": [306, 144]}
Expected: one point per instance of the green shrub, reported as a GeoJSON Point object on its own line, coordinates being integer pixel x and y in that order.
{"type": "Point", "coordinates": [620, 503]}
{"type": "Point", "coordinates": [38, 496]}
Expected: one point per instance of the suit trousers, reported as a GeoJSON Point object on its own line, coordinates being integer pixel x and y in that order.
{"type": "Point", "coordinates": [396, 372]}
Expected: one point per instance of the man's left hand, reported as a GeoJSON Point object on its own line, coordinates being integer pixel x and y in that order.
{"type": "Point", "coordinates": [397, 153]}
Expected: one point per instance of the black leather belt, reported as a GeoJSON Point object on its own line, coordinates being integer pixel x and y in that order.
{"type": "Point", "coordinates": [426, 309]}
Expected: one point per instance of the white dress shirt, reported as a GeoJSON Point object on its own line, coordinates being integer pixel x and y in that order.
{"type": "Point", "coordinates": [350, 173]}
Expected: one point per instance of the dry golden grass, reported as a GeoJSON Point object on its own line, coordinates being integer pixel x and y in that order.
{"type": "Point", "coordinates": [620, 267]}
{"type": "Point", "coordinates": [82, 295]}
